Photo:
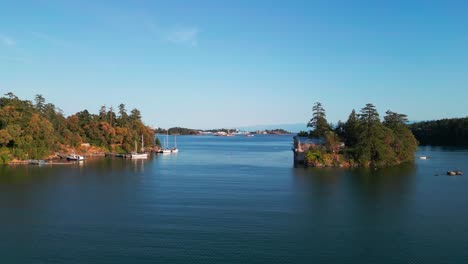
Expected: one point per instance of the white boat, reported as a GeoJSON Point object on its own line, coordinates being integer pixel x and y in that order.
{"type": "Point", "coordinates": [139, 155]}
{"type": "Point", "coordinates": [74, 157]}
{"type": "Point", "coordinates": [249, 135]}
{"type": "Point", "coordinates": [165, 150]}
{"type": "Point", "coordinates": [136, 155]}
{"type": "Point", "coordinates": [423, 157]}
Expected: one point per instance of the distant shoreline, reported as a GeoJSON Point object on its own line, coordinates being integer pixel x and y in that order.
{"type": "Point", "coordinates": [230, 131]}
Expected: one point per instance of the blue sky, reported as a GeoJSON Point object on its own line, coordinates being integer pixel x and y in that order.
{"type": "Point", "coordinates": [207, 64]}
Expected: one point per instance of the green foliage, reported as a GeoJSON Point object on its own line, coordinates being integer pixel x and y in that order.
{"type": "Point", "coordinates": [30, 131]}
{"type": "Point", "coordinates": [118, 149]}
{"type": "Point", "coordinates": [277, 131]}
{"type": "Point", "coordinates": [383, 144]}
{"type": "Point", "coordinates": [444, 132]}
{"type": "Point", "coordinates": [318, 122]}
{"type": "Point", "coordinates": [182, 131]}
{"type": "Point", "coordinates": [393, 119]}
{"type": "Point", "coordinates": [5, 155]}
{"type": "Point", "coordinates": [313, 156]}
{"type": "Point", "coordinates": [332, 142]}
{"type": "Point", "coordinates": [351, 129]}
{"type": "Point", "coordinates": [157, 142]}
{"type": "Point", "coordinates": [368, 141]}
{"type": "Point", "coordinates": [369, 115]}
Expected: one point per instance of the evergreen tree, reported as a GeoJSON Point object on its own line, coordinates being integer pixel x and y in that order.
{"type": "Point", "coordinates": [372, 147]}
{"type": "Point", "coordinates": [404, 144]}
{"type": "Point", "coordinates": [135, 115]}
{"type": "Point", "coordinates": [123, 116]}
{"type": "Point", "coordinates": [111, 116]}
{"type": "Point", "coordinates": [103, 113]}
{"type": "Point", "coordinates": [395, 119]}
{"type": "Point", "coordinates": [40, 102]}
{"type": "Point", "coordinates": [340, 129]}
{"type": "Point", "coordinates": [369, 115]}
{"type": "Point", "coordinates": [157, 142]}
{"type": "Point", "coordinates": [444, 132]}
{"type": "Point", "coordinates": [11, 96]}
{"type": "Point", "coordinates": [351, 129]}
{"type": "Point", "coordinates": [318, 122]}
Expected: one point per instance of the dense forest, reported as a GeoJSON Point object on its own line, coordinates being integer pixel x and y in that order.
{"type": "Point", "coordinates": [35, 130]}
{"type": "Point", "coordinates": [363, 140]}
{"type": "Point", "coordinates": [445, 132]}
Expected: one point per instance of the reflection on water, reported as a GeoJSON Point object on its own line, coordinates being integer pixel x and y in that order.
{"type": "Point", "coordinates": [234, 200]}
{"type": "Point", "coordinates": [326, 181]}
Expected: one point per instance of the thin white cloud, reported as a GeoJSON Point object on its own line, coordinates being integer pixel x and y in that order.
{"type": "Point", "coordinates": [136, 21]}
{"type": "Point", "coordinates": [7, 41]}
{"type": "Point", "coordinates": [52, 40]}
{"type": "Point", "coordinates": [183, 35]}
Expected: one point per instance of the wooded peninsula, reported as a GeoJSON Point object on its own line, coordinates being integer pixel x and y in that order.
{"type": "Point", "coordinates": [37, 130]}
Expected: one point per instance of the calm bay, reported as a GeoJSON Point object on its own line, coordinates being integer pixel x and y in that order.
{"type": "Point", "coordinates": [234, 200]}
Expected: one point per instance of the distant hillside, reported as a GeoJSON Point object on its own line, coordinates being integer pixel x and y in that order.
{"type": "Point", "coordinates": [444, 132]}
{"type": "Point", "coordinates": [294, 128]}
{"type": "Point", "coordinates": [176, 131]}
{"type": "Point", "coordinates": [277, 132]}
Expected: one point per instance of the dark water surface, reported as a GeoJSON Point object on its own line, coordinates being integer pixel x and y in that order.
{"type": "Point", "coordinates": [234, 200]}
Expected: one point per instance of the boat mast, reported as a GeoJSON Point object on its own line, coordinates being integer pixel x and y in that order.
{"type": "Point", "coordinates": [142, 144]}
{"type": "Point", "coordinates": [167, 138]}
{"type": "Point", "coordinates": [135, 146]}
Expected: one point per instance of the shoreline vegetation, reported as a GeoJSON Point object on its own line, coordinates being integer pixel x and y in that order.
{"type": "Point", "coordinates": [39, 130]}
{"type": "Point", "coordinates": [362, 141]}
{"type": "Point", "coordinates": [444, 132]}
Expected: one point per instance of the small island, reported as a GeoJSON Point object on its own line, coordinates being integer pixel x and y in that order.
{"type": "Point", "coordinates": [362, 141]}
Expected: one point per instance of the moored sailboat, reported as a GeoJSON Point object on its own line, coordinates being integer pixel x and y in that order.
{"type": "Point", "coordinates": [136, 155]}
{"type": "Point", "coordinates": [165, 150]}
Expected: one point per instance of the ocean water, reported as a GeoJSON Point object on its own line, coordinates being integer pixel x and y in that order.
{"type": "Point", "coordinates": [234, 200]}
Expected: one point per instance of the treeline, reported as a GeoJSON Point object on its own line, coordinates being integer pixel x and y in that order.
{"type": "Point", "coordinates": [445, 132]}
{"type": "Point", "coordinates": [225, 130]}
{"type": "Point", "coordinates": [176, 131]}
{"type": "Point", "coordinates": [277, 131]}
{"type": "Point", "coordinates": [363, 140]}
{"type": "Point", "coordinates": [35, 130]}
